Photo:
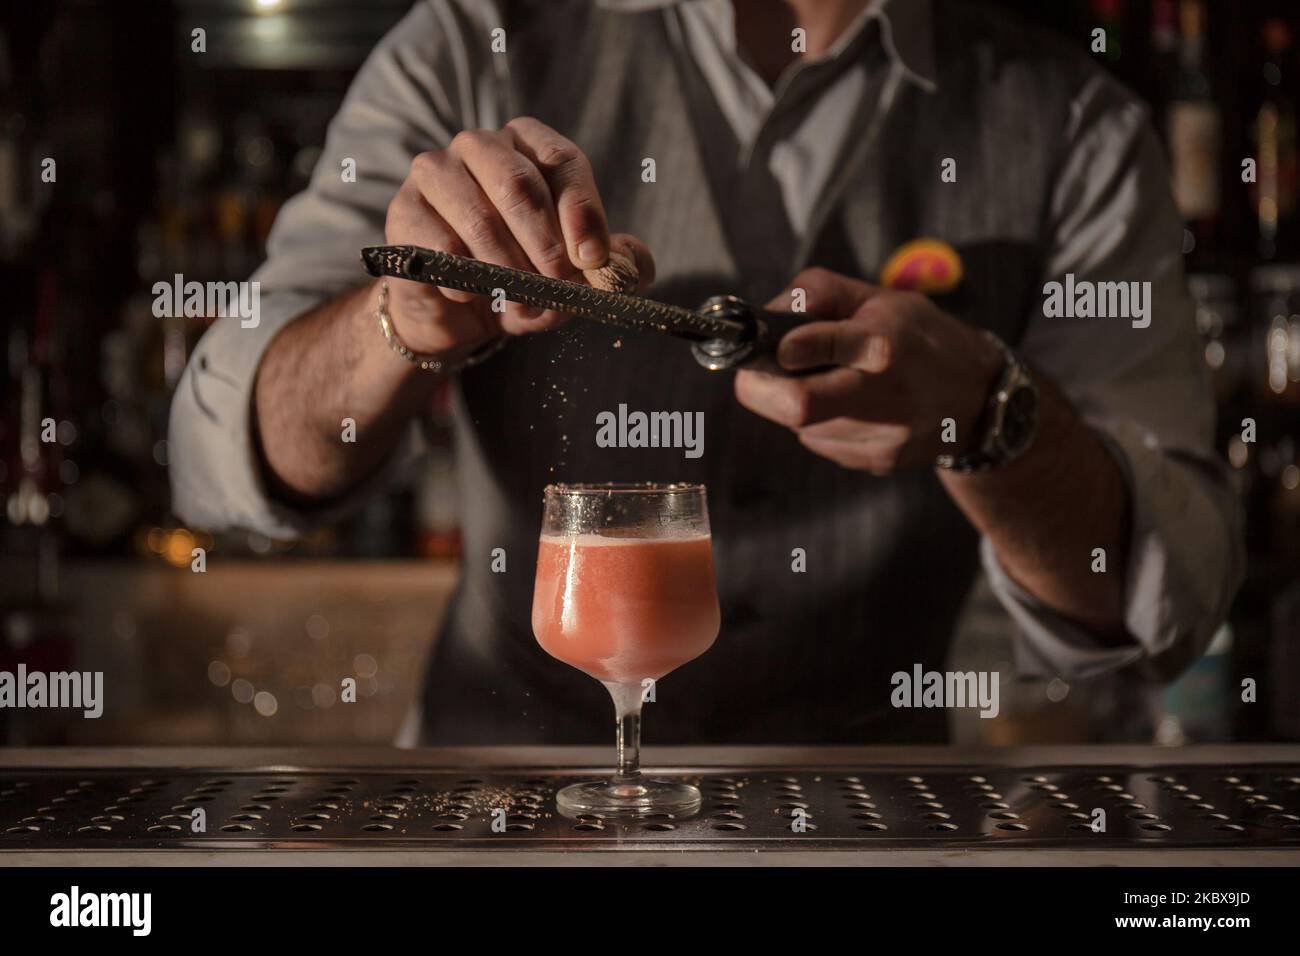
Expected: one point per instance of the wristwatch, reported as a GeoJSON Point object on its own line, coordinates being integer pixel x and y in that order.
{"type": "Point", "coordinates": [1009, 422]}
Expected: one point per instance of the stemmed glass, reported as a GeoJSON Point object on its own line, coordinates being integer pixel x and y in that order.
{"type": "Point", "coordinates": [625, 592]}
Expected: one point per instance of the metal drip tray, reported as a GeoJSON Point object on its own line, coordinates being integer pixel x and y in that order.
{"type": "Point", "coordinates": [744, 809]}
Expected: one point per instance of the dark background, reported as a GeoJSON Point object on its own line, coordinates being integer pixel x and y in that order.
{"type": "Point", "coordinates": [176, 162]}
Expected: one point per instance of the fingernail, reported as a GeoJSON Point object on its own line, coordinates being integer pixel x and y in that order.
{"type": "Point", "coordinates": [591, 252]}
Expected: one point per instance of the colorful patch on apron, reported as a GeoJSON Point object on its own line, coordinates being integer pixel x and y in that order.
{"type": "Point", "coordinates": [923, 265]}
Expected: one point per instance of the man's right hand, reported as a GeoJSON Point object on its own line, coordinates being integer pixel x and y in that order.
{"type": "Point", "coordinates": [523, 196]}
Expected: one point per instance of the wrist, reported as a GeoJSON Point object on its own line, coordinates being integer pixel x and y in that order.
{"type": "Point", "coordinates": [410, 309]}
{"type": "Point", "coordinates": [988, 363]}
{"type": "Point", "coordinates": [442, 361]}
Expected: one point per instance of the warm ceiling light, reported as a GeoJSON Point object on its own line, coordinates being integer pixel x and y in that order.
{"type": "Point", "coordinates": [268, 4]}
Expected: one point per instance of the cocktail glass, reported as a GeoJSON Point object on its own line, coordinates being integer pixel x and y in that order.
{"type": "Point", "coordinates": [625, 592]}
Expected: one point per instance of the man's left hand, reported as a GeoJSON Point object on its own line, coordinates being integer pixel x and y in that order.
{"type": "Point", "coordinates": [895, 366]}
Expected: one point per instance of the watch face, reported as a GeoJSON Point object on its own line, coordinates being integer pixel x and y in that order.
{"type": "Point", "coordinates": [1019, 416]}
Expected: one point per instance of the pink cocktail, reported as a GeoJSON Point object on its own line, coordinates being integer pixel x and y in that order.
{"type": "Point", "coordinates": [625, 592]}
{"type": "Point", "coordinates": [625, 610]}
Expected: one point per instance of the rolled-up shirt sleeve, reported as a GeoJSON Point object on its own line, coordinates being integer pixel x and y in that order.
{"type": "Point", "coordinates": [425, 81]}
{"type": "Point", "coordinates": [1144, 389]}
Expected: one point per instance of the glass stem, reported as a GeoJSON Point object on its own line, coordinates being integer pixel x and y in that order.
{"type": "Point", "coordinates": [629, 746]}
{"type": "Point", "coordinates": [627, 710]}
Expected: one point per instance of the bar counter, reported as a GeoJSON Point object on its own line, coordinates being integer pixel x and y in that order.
{"type": "Point", "coordinates": [1195, 806]}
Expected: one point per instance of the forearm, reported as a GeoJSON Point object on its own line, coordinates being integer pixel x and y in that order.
{"type": "Point", "coordinates": [328, 365]}
{"type": "Point", "coordinates": [1046, 512]}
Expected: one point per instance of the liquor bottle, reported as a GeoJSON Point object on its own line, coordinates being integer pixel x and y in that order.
{"type": "Point", "coordinates": [35, 630]}
{"type": "Point", "coordinates": [1218, 320]}
{"type": "Point", "coordinates": [437, 504]}
{"type": "Point", "coordinates": [1162, 64]}
{"type": "Point", "coordinates": [33, 500]}
{"type": "Point", "coordinates": [1274, 127]}
{"type": "Point", "coordinates": [1275, 289]}
{"type": "Point", "coordinates": [1194, 127]}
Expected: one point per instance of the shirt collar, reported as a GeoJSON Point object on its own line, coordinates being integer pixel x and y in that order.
{"type": "Point", "coordinates": [906, 32]}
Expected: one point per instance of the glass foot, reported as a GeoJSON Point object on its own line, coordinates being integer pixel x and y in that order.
{"type": "Point", "coordinates": [641, 798]}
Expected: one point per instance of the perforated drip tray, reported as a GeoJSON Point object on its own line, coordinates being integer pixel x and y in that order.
{"type": "Point", "coordinates": [949, 807]}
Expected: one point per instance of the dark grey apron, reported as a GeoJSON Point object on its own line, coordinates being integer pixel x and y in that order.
{"type": "Point", "coordinates": [801, 657]}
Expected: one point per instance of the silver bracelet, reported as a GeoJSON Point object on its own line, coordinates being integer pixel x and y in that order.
{"type": "Point", "coordinates": [427, 362]}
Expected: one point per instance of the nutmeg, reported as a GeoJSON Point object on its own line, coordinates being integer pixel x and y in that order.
{"type": "Point", "coordinates": [618, 275]}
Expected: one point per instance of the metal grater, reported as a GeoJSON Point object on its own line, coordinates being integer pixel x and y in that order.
{"type": "Point", "coordinates": [725, 332]}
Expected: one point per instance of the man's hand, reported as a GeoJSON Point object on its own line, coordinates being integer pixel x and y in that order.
{"type": "Point", "coordinates": [898, 366]}
{"type": "Point", "coordinates": [522, 196]}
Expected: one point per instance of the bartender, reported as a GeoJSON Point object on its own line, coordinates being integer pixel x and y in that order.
{"type": "Point", "coordinates": [791, 152]}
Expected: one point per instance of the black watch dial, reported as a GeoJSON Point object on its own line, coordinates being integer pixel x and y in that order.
{"type": "Point", "coordinates": [1019, 416]}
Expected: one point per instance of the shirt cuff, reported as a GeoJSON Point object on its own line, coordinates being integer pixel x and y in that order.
{"type": "Point", "coordinates": [1049, 645]}
{"type": "Point", "coordinates": [1181, 566]}
{"type": "Point", "coordinates": [217, 474]}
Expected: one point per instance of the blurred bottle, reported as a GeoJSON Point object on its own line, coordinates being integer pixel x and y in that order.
{"type": "Point", "coordinates": [1275, 290]}
{"type": "Point", "coordinates": [437, 504]}
{"type": "Point", "coordinates": [34, 500]}
{"type": "Point", "coordinates": [1227, 343]}
{"type": "Point", "coordinates": [1162, 65]}
{"type": "Point", "coordinates": [1194, 130]}
{"type": "Point", "coordinates": [25, 500]}
{"type": "Point", "coordinates": [1281, 471]}
{"type": "Point", "coordinates": [1275, 510]}
{"type": "Point", "coordinates": [1274, 128]}
{"type": "Point", "coordinates": [34, 618]}
{"type": "Point", "coordinates": [231, 215]}
{"type": "Point", "coordinates": [1218, 320]}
